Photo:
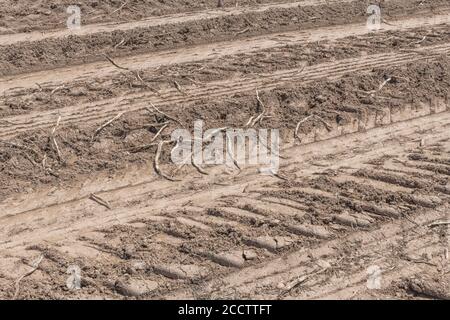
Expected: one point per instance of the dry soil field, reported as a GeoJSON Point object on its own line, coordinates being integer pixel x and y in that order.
{"type": "Point", "coordinates": [92, 207]}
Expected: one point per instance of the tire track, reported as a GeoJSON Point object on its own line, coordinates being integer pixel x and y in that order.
{"type": "Point", "coordinates": [267, 275]}
{"type": "Point", "coordinates": [360, 189]}
{"type": "Point", "coordinates": [293, 253]}
{"type": "Point", "coordinates": [67, 215]}
{"type": "Point", "coordinates": [205, 52]}
{"type": "Point", "coordinates": [105, 109]}
{"type": "Point", "coordinates": [178, 18]}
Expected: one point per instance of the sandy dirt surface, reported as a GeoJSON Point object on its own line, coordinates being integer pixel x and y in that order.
{"type": "Point", "coordinates": [93, 207]}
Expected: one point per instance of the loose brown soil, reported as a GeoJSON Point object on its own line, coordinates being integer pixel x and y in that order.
{"type": "Point", "coordinates": [363, 188]}
{"type": "Point", "coordinates": [41, 55]}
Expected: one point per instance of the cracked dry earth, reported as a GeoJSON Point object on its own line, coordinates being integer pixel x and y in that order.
{"type": "Point", "coordinates": [359, 209]}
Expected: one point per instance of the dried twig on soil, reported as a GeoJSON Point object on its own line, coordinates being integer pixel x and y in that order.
{"type": "Point", "coordinates": [164, 114]}
{"type": "Point", "coordinates": [384, 83]}
{"type": "Point", "coordinates": [241, 32]}
{"type": "Point", "coordinates": [120, 8]}
{"type": "Point", "coordinates": [44, 162]}
{"type": "Point", "coordinates": [138, 76]}
{"type": "Point", "coordinates": [325, 123]}
{"type": "Point", "coordinates": [58, 151]}
{"type": "Point", "coordinates": [255, 119]}
{"type": "Point", "coordinates": [418, 42]}
{"type": "Point", "coordinates": [299, 124]}
{"type": "Point", "coordinates": [57, 89]}
{"type": "Point", "coordinates": [134, 72]}
{"type": "Point", "coordinates": [438, 223]}
{"type": "Point", "coordinates": [380, 87]}
{"type": "Point", "coordinates": [415, 260]}
{"type": "Point", "coordinates": [250, 121]}
{"type": "Point", "coordinates": [100, 201]}
{"type": "Point", "coordinates": [159, 132]}
{"type": "Point", "coordinates": [156, 162]}
{"type": "Point", "coordinates": [52, 137]}
{"type": "Point", "coordinates": [56, 126]}
{"type": "Point", "coordinates": [120, 43]}
{"type": "Point", "coordinates": [263, 107]}
{"type": "Point", "coordinates": [35, 266]}
{"type": "Point", "coordinates": [107, 123]}
{"type": "Point", "coordinates": [178, 87]}
{"type": "Point", "coordinates": [115, 64]}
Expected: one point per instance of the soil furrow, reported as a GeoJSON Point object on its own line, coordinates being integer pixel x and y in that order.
{"type": "Point", "coordinates": [199, 53]}
{"type": "Point", "coordinates": [331, 71]}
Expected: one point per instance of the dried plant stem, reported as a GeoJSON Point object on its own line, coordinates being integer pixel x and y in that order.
{"type": "Point", "coordinates": [164, 114]}
{"type": "Point", "coordinates": [178, 87]}
{"type": "Point", "coordinates": [326, 124]}
{"type": "Point", "coordinates": [156, 162]}
{"type": "Point", "coordinates": [242, 31]}
{"type": "Point", "coordinates": [100, 201]}
{"type": "Point", "coordinates": [159, 133]}
{"type": "Point", "coordinates": [120, 43]}
{"type": "Point", "coordinates": [57, 89]}
{"type": "Point", "coordinates": [439, 223]}
{"type": "Point", "coordinates": [114, 63]}
{"type": "Point", "coordinates": [258, 118]}
{"type": "Point", "coordinates": [299, 124]}
{"type": "Point", "coordinates": [35, 266]}
{"type": "Point", "coordinates": [134, 72]}
{"type": "Point", "coordinates": [107, 123]}
{"type": "Point", "coordinates": [297, 128]}
{"type": "Point", "coordinates": [120, 8]}
{"type": "Point", "coordinates": [380, 87]}
{"type": "Point", "coordinates": [53, 139]}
